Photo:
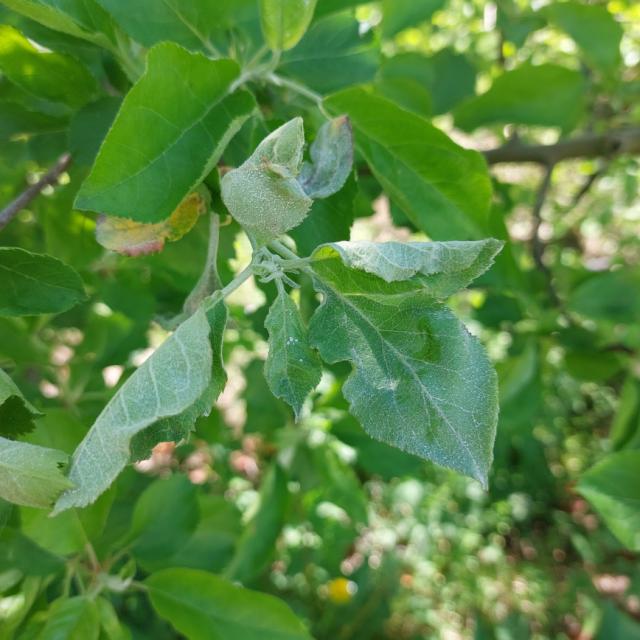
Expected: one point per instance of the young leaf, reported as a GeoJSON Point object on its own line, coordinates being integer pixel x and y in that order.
{"type": "Point", "coordinates": [16, 413]}
{"type": "Point", "coordinates": [137, 238]}
{"type": "Point", "coordinates": [72, 619]}
{"type": "Point", "coordinates": [159, 402]}
{"type": "Point", "coordinates": [202, 606]}
{"type": "Point", "coordinates": [612, 488]}
{"type": "Point", "coordinates": [421, 382]}
{"type": "Point", "coordinates": [292, 368]}
{"type": "Point", "coordinates": [331, 159]}
{"type": "Point", "coordinates": [31, 475]}
{"type": "Point", "coordinates": [170, 132]}
{"type": "Point", "coordinates": [546, 95]}
{"type": "Point", "coordinates": [33, 283]}
{"type": "Point", "coordinates": [263, 194]}
{"type": "Point", "coordinates": [443, 188]}
{"type": "Point", "coordinates": [284, 22]}
{"type": "Point", "coordinates": [47, 75]}
{"type": "Point", "coordinates": [442, 268]}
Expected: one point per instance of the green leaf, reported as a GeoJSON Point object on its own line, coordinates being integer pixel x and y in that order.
{"type": "Point", "coordinates": [89, 127]}
{"type": "Point", "coordinates": [605, 296]}
{"type": "Point", "coordinates": [333, 55]}
{"type": "Point", "coordinates": [292, 369]}
{"type": "Point", "coordinates": [421, 382]}
{"type": "Point", "coordinates": [34, 283]}
{"type": "Point", "coordinates": [138, 238]}
{"type": "Point", "coordinates": [31, 475]}
{"type": "Point", "coordinates": [165, 516]}
{"type": "Point", "coordinates": [612, 488]}
{"type": "Point", "coordinates": [284, 22]}
{"type": "Point", "coordinates": [401, 14]}
{"type": "Point", "coordinates": [109, 622]}
{"type": "Point", "coordinates": [202, 606]}
{"type": "Point", "coordinates": [443, 188]}
{"type": "Point", "coordinates": [257, 544]}
{"type": "Point", "coordinates": [263, 194]}
{"type": "Point", "coordinates": [16, 413]}
{"type": "Point", "coordinates": [545, 95]}
{"type": "Point", "coordinates": [446, 78]}
{"type": "Point", "coordinates": [159, 402]}
{"type": "Point", "coordinates": [79, 18]}
{"type": "Point", "coordinates": [16, 119]}
{"type": "Point", "coordinates": [192, 24]}
{"type": "Point", "coordinates": [17, 551]}
{"type": "Point", "coordinates": [593, 28]}
{"type": "Point", "coordinates": [47, 75]}
{"type": "Point", "coordinates": [169, 134]}
{"type": "Point", "coordinates": [331, 159]}
{"type": "Point", "coordinates": [441, 268]}
{"type": "Point", "coordinates": [72, 619]}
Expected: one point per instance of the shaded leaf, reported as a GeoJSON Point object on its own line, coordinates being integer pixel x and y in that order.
{"type": "Point", "coordinates": [263, 194]}
{"type": "Point", "coordinates": [421, 382]}
{"type": "Point", "coordinates": [331, 159]}
{"type": "Point", "coordinates": [31, 475]}
{"type": "Point", "coordinates": [89, 127]}
{"type": "Point", "coordinates": [593, 28]}
{"type": "Point", "coordinates": [16, 413]}
{"type": "Point", "coordinates": [48, 75]}
{"type": "Point", "coordinates": [401, 14]}
{"type": "Point", "coordinates": [444, 189]}
{"type": "Point", "coordinates": [16, 118]}
{"type": "Point", "coordinates": [132, 238]}
{"type": "Point", "coordinates": [256, 545]}
{"type": "Point", "coordinates": [545, 95]}
{"type": "Point", "coordinates": [176, 385]}
{"type": "Point", "coordinates": [333, 55]}
{"type": "Point", "coordinates": [612, 487]}
{"type": "Point", "coordinates": [292, 368]}
{"type": "Point", "coordinates": [169, 134]}
{"type": "Point", "coordinates": [72, 619]}
{"type": "Point", "coordinates": [202, 606]}
{"type": "Point", "coordinates": [284, 22]}
{"type": "Point", "coordinates": [33, 283]}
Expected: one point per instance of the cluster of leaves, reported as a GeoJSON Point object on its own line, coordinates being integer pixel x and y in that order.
{"type": "Point", "coordinates": [176, 132]}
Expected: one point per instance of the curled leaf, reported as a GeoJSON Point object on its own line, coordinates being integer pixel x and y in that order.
{"type": "Point", "coordinates": [331, 159]}
{"type": "Point", "coordinates": [263, 194]}
{"type": "Point", "coordinates": [132, 238]}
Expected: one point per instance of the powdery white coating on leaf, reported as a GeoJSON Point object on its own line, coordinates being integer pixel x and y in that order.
{"type": "Point", "coordinates": [263, 194]}
{"type": "Point", "coordinates": [444, 267]}
{"type": "Point", "coordinates": [331, 159]}
{"type": "Point", "coordinates": [292, 369]}
{"type": "Point", "coordinates": [420, 382]}
{"type": "Point", "coordinates": [172, 380]}
{"type": "Point", "coordinates": [30, 475]}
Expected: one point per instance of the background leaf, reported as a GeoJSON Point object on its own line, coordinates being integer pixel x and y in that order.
{"type": "Point", "coordinates": [35, 283]}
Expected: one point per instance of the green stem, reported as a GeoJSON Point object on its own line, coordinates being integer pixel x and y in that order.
{"type": "Point", "coordinates": [209, 280]}
{"type": "Point", "coordinates": [294, 86]}
{"type": "Point", "coordinates": [283, 250]}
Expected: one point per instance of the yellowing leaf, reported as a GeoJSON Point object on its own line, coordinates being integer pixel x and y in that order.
{"type": "Point", "coordinates": [133, 238]}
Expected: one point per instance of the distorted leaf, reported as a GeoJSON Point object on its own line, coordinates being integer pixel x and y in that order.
{"type": "Point", "coordinates": [331, 159]}
{"type": "Point", "coordinates": [263, 194]}
{"type": "Point", "coordinates": [159, 402]}
{"type": "Point", "coordinates": [138, 238]}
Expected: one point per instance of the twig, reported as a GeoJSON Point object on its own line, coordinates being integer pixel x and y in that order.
{"type": "Point", "coordinates": [590, 145]}
{"type": "Point", "coordinates": [31, 192]}
{"type": "Point", "coordinates": [537, 246]}
{"type": "Point", "coordinates": [588, 183]}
